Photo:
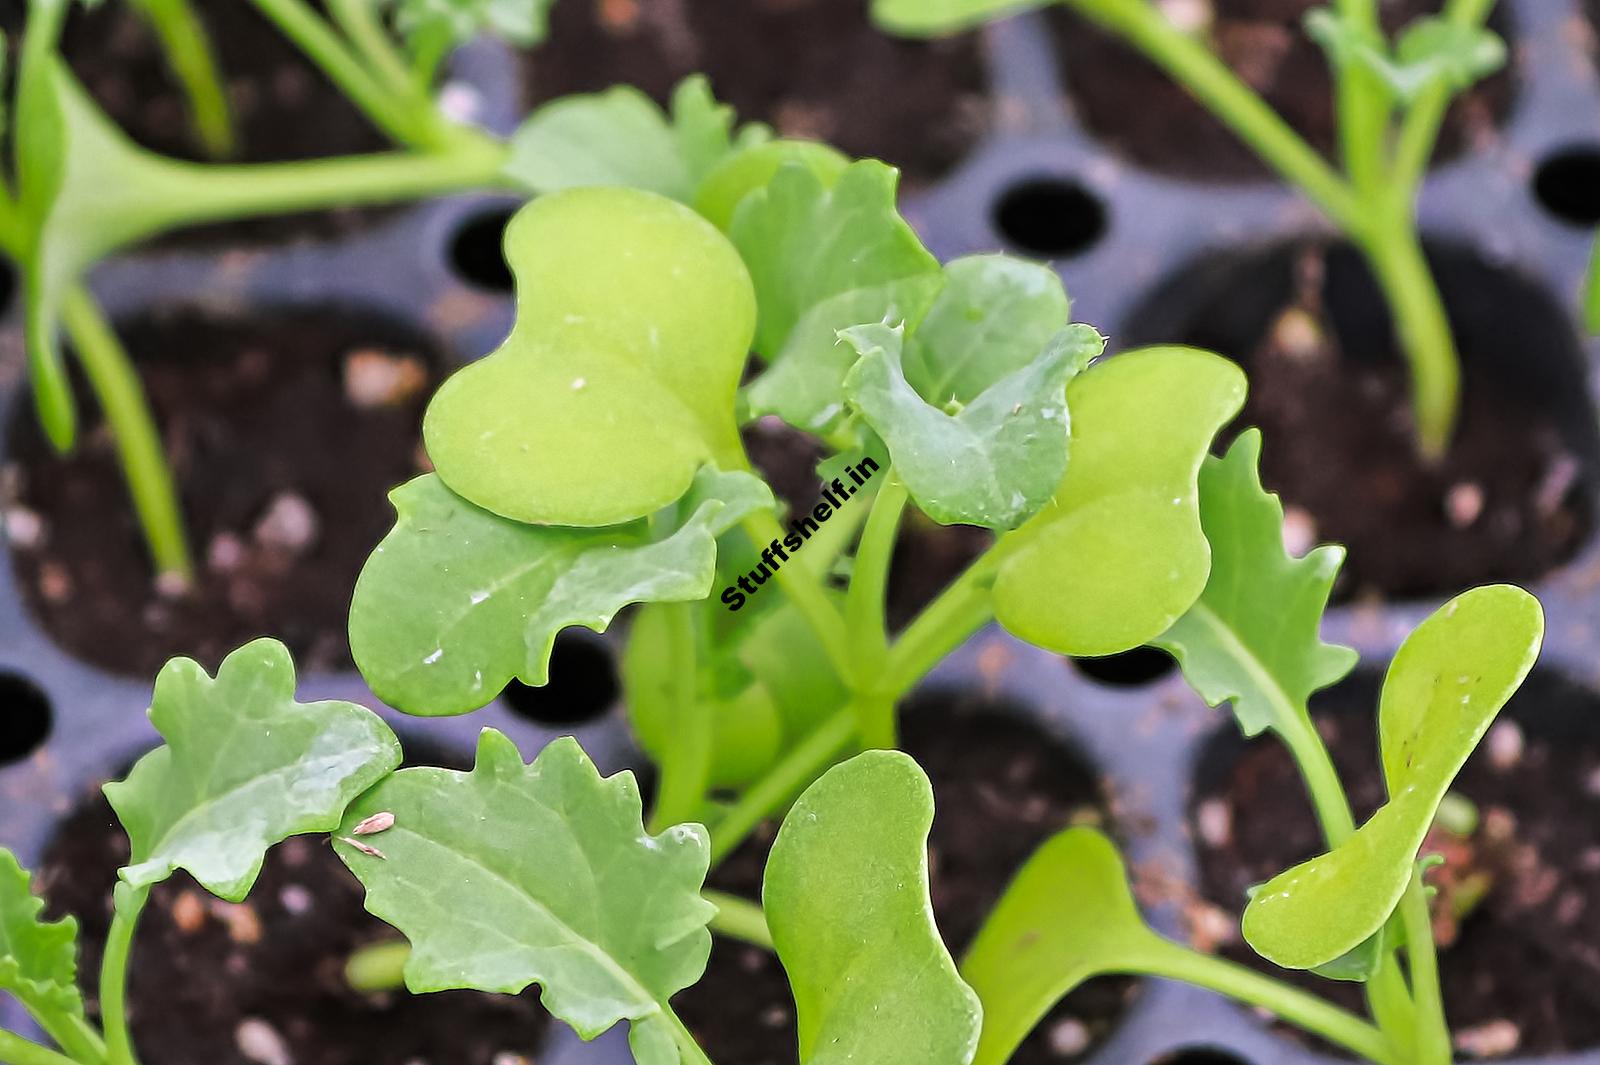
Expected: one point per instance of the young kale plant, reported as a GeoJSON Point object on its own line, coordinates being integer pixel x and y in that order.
{"type": "Point", "coordinates": [82, 190]}
{"type": "Point", "coordinates": [1391, 98]}
{"type": "Point", "coordinates": [1352, 913]}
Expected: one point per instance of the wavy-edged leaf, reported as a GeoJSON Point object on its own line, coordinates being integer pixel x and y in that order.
{"type": "Point", "coordinates": [516, 874]}
{"type": "Point", "coordinates": [1253, 637]}
{"type": "Point", "coordinates": [846, 899]}
{"type": "Point", "coordinates": [1067, 916]}
{"type": "Point", "coordinates": [621, 137]}
{"type": "Point", "coordinates": [993, 316]}
{"type": "Point", "coordinates": [1430, 51]}
{"type": "Point", "coordinates": [38, 959]}
{"type": "Point", "coordinates": [997, 460]}
{"type": "Point", "coordinates": [735, 176]}
{"type": "Point", "coordinates": [805, 242]}
{"type": "Point", "coordinates": [1118, 554]}
{"type": "Point", "coordinates": [1443, 689]}
{"type": "Point", "coordinates": [934, 18]}
{"type": "Point", "coordinates": [523, 23]}
{"type": "Point", "coordinates": [456, 601]}
{"type": "Point", "coordinates": [244, 766]}
{"type": "Point", "coordinates": [617, 383]}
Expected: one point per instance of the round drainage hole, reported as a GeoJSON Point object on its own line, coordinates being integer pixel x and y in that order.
{"type": "Point", "coordinates": [477, 253]}
{"type": "Point", "coordinates": [24, 717]}
{"type": "Point", "coordinates": [583, 685]}
{"type": "Point", "coordinates": [1050, 217]}
{"type": "Point", "coordinates": [1567, 184]}
{"type": "Point", "coordinates": [1142, 665]}
{"type": "Point", "coordinates": [1200, 1056]}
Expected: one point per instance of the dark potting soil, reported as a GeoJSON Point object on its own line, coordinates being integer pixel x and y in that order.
{"type": "Point", "coordinates": [1511, 499]}
{"type": "Point", "coordinates": [1133, 106]}
{"type": "Point", "coordinates": [286, 431]}
{"type": "Point", "coordinates": [1001, 789]}
{"type": "Point", "coordinates": [918, 105]}
{"type": "Point", "coordinates": [214, 983]}
{"type": "Point", "coordinates": [284, 107]}
{"type": "Point", "coordinates": [1521, 967]}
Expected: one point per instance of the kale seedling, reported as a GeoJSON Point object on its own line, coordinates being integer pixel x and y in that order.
{"type": "Point", "coordinates": [1391, 98]}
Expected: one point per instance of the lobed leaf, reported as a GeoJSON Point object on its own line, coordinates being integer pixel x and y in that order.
{"type": "Point", "coordinates": [805, 241]}
{"type": "Point", "coordinates": [846, 899]}
{"type": "Point", "coordinates": [523, 23]}
{"type": "Point", "coordinates": [620, 137]}
{"type": "Point", "coordinates": [1252, 637]}
{"type": "Point", "coordinates": [1443, 689]}
{"type": "Point", "coordinates": [996, 461]}
{"type": "Point", "coordinates": [1067, 916]}
{"type": "Point", "coordinates": [38, 959]}
{"type": "Point", "coordinates": [617, 383]}
{"type": "Point", "coordinates": [1430, 51]}
{"type": "Point", "coordinates": [933, 18]}
{"type": "Point", "coordinates": [1119, 554]}
{"type": "Point", "coordinates": [244, 766]}
{"type": "Point", "coordinates": [456, 601]}
{"type": "Point", "coordinates": [736, 175]}
{"type": "Point", "coordinates": [515, 874]}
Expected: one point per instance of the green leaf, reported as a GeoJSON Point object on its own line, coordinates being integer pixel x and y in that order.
{"type": "Point", "coordinates": [846, 899]}
{"type": "Point", "coordinates": [934, 18]}
{"type": "Point", "coordinates": [1067, 916]}
{"type": "Point", "coordinates": [523, 23]}
{"type": "Point", "coordinates": [805, 383]}
{"type": "Point", "coordinates": [1253, 636]}
{"type": "Point", "coordinates": [456, 601]}
{"type": "Point", "coordinates": [805, 242]}
{"type": "Point", "coordinates": [1119, 554]}
{"type": "Point", "coordinates": [995, 462]}
{"type": "Point", "coordinates": [738, 174]}
{"type": "Point", "coordinates": [1429, 52]}
{"type": "Point", "coordinates": [511, 874]}
{"type": "Point", "coordinates": [617, 382]}
{"type": "Point", "coordinates": [244, 767]}
{"type": "Point", "coordinates": [992, 317]}
{"type": "Point", "coordinates": [38, 959]}
{"type": "Point", "coordinates": [1443, 689]}
{"type": "Point", "coordinates": [620, 137]}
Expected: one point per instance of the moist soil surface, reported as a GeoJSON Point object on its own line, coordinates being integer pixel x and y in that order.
{"type": "Point", "coordinates": [1136, 109]}
{"type": "Point", "coordinates": [286, 432]}
{"type": "Point", "coordinates": [918, 105]}
{"type": "Point", "coordinates": [1002, 789]}
{"type": "Point", "coordinates": [213, 983]}
{"type": "Point", "coordinates": [1509, 501]}
{"type": "Point", "coordinates": [1520, 970]}
{"type": "Point", "coordinates": [284, 108]}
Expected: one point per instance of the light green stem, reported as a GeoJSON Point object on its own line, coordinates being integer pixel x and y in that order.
{"type": "Point", "coordinates": [803, 590]}
{"type": "Point", "coordinates": [687, 1047]}
{"type": "Point", "coordinates": [783, 782]}
{"type": "Point", "coordinates": [15, 1050]}
{"type": "Point", "coordinates": [864, 614]}
{"type": "Point", "coordinates": [1395, 252]}
{"type": "Point", "coordinates": [1419, 129]}
{"type": "Point", "coordinates": [114, 975]}
{"type": "Point", "coordinates": [1196, 68]}
{"type": "Point", "coordinates": [360, 22]}
{"type": "Point", "coordinates": [144, 465]}
{"type": "Point", "coordinates": [190, 55]}
{"type": "Point", "coordinates": [1363, 105]}
{"type": "Point", "coordinates": [1431, 1030]}
{"type": "Point", "coordinates": [686, 766]}
{"type": "Point", "coordinates": [1289, 1003]}
{"type": "Point", "coordinates": [739, 919]}
{"type": "Point", "coordinates": [1591, 302]}
{"type": "Point", "coordinates": [74, 1035]}
{"type": "Point", "coordinates": [378, 966]}
{"type": "Point", "coordinates": [959, 611]}
{"type": "Point", "coordinates": [322, 45]}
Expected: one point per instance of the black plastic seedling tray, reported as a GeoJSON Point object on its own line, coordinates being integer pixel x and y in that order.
{"type": "Point", "coordinates": [1139, 240]}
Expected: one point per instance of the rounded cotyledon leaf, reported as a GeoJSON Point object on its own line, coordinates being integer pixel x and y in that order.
{"type": "Point", "coordinates": [1118, 554]}
{"type": "Point", "coordinates": [846, 899]}
{"type": "Point", "coordinates": [634, 319]}
{"type": "Point", "coordinates": [1447, 682]}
